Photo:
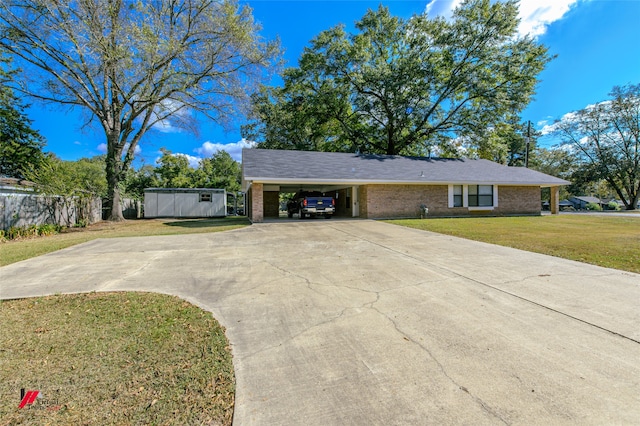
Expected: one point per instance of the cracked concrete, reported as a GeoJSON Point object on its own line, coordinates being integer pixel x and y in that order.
{"type": "Point", "coordinates": [362, 322]}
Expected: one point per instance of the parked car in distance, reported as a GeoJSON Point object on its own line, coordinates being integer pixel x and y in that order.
{"type": "Point", "coordinates": [311, 203]}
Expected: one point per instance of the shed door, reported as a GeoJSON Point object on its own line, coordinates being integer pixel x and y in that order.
{"type": "Point", "coordinates": [166, 205]}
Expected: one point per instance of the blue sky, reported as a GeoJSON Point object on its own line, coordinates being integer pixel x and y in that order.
{"type": "Point", "coordinates": [597, 43]}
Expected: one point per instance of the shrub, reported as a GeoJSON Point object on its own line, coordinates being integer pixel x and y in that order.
{"type": "Point", "coordinates": [31, 231]}
{"type": "Point", "coordinates": [593, 206]}
{"type": "Point", "coordinates": [49, 229]}
{"type": "Point", "coordinates": [613, 206]}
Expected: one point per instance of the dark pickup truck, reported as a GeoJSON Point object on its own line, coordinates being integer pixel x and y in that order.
{"type": "Point", "coordinates": [311, 203]}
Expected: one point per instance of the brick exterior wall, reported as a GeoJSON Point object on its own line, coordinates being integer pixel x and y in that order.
{"type": "Point", "coordinates": [518, 200]}
{"type": "Point", "coordinates": [382, 201]}
{"type": "Point", "coordinates": [396, 201]}
{"type": "Point", "coordinates": [271, 204]}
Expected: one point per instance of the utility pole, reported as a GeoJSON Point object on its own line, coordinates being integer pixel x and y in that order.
{"type": "Point", "coordinates": [527, 139]}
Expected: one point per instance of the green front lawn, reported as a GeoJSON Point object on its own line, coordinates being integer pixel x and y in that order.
{"type": "Point", "coordinates": [114, 358]}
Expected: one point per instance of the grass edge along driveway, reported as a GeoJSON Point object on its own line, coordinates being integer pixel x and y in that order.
{"type": "Point", "coordinates": [113, 358]}
{"type": "Point", "coordinates": [612, 242]}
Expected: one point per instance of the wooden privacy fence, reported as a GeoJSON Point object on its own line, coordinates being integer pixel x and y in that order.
{"type": "Point", "coordinates": [21, 210]}
{"type": "Point", "coordinates": [131, 208]}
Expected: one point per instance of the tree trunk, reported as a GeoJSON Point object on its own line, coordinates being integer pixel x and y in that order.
{"type": "Point", "coordinates": [113, 190]}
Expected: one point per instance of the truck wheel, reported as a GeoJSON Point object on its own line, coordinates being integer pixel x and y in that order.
{"type": "Point", "coordinates": [328, 216]}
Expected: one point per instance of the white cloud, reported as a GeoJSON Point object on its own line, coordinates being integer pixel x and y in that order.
{"type": "Point", "coordinates": [175, 110]}
{"type": "Point", "coordinates": [535, 15]}
{"type": "Point", "coordinates": [572, 116]}
{"type": "Point", "coordinates": [165, 126]}
{"type": "Point", "coordinates": [548, 129]}
{"type": "Point", "coordinates": [208, 149]}
{"type": "Point", "coordinates": [193, 160]}
{"type": "Point", "coordinates": [442, 8]}
{"type": "Point", "coordinates": [234, 149]}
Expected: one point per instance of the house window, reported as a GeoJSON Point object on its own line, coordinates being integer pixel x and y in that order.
{"type": "Point", "coordinates": [457, 195]}
{"type": "Point", "coordinates": [205, 197]}
{"type": "Point", "coordinates": [480, 195]}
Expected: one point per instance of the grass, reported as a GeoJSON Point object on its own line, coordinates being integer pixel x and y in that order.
{"type": "Point", "coordinates": [612, 242]}
{"type": "Point", "coordinates": [17, 250]}
{"type": "Point", "coordinates": [114, 358]}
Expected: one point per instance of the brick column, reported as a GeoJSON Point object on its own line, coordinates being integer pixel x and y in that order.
{"type": "Point", "coordinates": [554, 202]}
{"type": "Point", "coordinates": [257, 203]}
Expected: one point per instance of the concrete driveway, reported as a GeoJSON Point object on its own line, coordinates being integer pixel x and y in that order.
{"type": "Point", "coordinates": [362, 322]}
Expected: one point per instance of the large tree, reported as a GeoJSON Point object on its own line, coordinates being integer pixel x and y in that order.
{"type": "Point", "coordinates": [606, 140]}
{"type": "Point", "coordinates": [20, 145]}
{"type": "Point", "coordinates": [133, 65]}
{"type": "Point", "coordinates": [175, 171]}
{"type": "Point", "coordinates": [219, 171]}
{"type": "Point", "coordinates": [405, 86]}
{"type": "Point", "coordinates": [70, 185]}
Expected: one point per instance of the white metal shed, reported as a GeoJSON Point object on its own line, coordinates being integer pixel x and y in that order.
{"type": "Point", "coordinates": [185, 202]}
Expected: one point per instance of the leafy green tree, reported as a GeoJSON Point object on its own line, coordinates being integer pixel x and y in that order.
{"type": "Point", "coordinates": [406, 86]}
{"type": "Point", "coordinates": [20, 145]}
{"type": "Point", "coordinates": [606, 140]}
{"type": "Point", "coordinates": [556, 162]}
{"type": "Point", "coordinates": [71, 184]}
{"type": "Point", "coordinates": [84, 177]}
{"type": "Point", "coordinates": [219, 171]}
{"type": "Point", "coordinates": [136, 65]}
{"type": "Point", "coordinates": [174, 171]}
{"type": "Point", "coordinates": [285, 121]}
{"type": "Point", "coordinates": [137, 180]}
{"type": "Point", "coordinates": [504, 143]}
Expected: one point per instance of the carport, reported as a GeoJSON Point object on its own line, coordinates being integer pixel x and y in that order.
{"type": "Point", "coordinates": [387, 186]}
{"type": "Point", "coordinates": [346, 196]}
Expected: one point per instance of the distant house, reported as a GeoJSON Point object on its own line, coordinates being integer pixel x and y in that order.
{"type": "Point", "coordinates": [565, 204]}
{"type": "Point", "coordinates": [611, 204]}
{"type": "Point", "coordinates": [9, 185]}
{"type": "Point", "coordinates": [388, 186]}
{"type": "Point", "coordinates": [580, 203]}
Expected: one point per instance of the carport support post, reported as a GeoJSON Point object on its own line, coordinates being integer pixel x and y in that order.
{"type": "Point", "coordinates": [257, 202]}
{"type": "Point", "coordinates": [554, 202]}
